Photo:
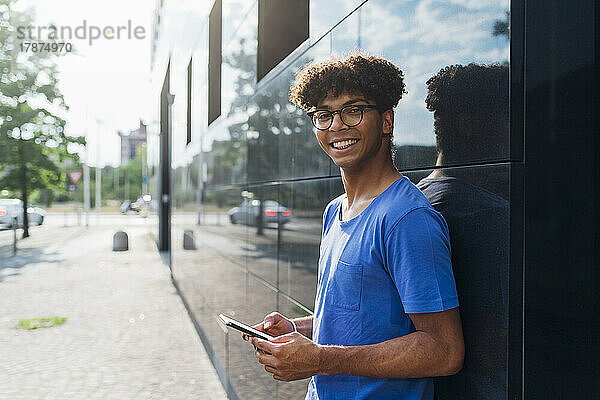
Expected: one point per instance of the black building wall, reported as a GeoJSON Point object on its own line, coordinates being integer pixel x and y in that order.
{"type": "Point", "coordinates": [560, 186]}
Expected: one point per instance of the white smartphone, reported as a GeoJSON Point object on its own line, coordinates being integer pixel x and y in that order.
{"type": "Point", "coordinates": [240, 326]}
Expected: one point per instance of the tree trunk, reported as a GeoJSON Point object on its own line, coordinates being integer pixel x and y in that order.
{"type": "Point", "coordinates": [23, 165]}
{"type": "Point", "coordinates": [260, 218]}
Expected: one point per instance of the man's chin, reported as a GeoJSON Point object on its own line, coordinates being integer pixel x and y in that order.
{"type": "Point", "coordinates": [345, 165]}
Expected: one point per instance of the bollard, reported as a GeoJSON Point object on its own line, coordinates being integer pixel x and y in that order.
{"type": "Point", "coordinates": [120, 241]}
{"type": "Point", "coordinates": [188, 240]}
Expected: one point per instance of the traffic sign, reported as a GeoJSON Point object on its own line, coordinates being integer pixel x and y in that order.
{"type": "Point", "coordinates": [75, 176]}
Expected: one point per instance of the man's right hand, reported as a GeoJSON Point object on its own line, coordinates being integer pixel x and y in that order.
{"type": "Point", "coordinates": [274, 324]}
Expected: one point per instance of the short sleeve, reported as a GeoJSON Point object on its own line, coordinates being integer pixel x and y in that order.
{"type": "Point", "coordinates": [329, 214]}
{"type": "Point", "coordinates": [418, 260]}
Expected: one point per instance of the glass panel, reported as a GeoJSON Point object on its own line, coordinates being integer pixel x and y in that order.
{"type": "Point", "coordinates": [199, 89]}
{"type": "Point", "coordinates": [208, 281]}
{"type": "Point", "coordinates": [280, 136]}
{"type": "Point", "coordinates": [422, 38]}
{"type": "Point", "coordinates": [345, 37]}
{"type": "Point", "coordinates": [260, 212]}
{"type": "Point", "coordinates": [301, 236]}
{"type": "Point", "coordinates": [307, 159]}
{"type": "Point", "coordinates": [236, 14]}
{"type": "Point", "coordinates": [239, 63]}
{"type": "Point", "coordinates": [324, 14]}
{"type": "Point", "coordinates": [281, 143]}
{"type": "Point", "coordinates": [474, 204]}
{"type": "Point", "coordinates": [225, 141]}
{"type": "Point", "coordinates": [247, 375]}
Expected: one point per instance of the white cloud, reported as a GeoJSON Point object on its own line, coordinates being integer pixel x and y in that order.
{"type": "Point", "coordinates": [464, 28]}
{"type": "Point", "coordinates": [389, 30]}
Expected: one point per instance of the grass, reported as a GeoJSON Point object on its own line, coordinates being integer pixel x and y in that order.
{"type": "Point", "coordinates": [36, 323]}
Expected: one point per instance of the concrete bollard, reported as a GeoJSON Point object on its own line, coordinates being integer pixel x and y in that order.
{"type": "Point", "coordinates": [120, 241]}
{"type": "Point", "coordinates": [188, 240]}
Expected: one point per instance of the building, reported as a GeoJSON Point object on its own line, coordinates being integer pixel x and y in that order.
{"type": "Point", "coordinates": [221, 73]}
{"type": "Point", "coordinates": [131, 143]}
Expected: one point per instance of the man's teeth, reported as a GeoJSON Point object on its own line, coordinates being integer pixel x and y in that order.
{"type": "Point", "coordinates": [344, 143]}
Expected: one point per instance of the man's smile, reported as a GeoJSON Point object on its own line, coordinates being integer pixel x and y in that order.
{"type": "Point", "coordinates": [341, 144]}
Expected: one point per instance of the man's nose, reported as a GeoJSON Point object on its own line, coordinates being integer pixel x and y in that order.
{"type": "Point", "coordinates": [336, 123]}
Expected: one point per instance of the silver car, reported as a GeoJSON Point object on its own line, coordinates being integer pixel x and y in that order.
{"type": "Point", "coordinates": [247, 213]}
{"type": "Point", "coordinates": [11, 208]}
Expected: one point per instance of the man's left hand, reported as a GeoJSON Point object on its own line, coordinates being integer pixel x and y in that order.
{"type": "Point", "coordinates": [288, 357]}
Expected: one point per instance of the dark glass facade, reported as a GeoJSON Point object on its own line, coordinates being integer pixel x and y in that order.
{"type": "Point", "coordinates": [508, 158]}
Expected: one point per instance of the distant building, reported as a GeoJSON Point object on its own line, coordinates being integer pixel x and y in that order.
{"type": "Point", "coordinates": [131, 142]}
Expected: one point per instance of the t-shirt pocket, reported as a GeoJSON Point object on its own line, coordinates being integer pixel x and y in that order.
{"type": "Point", "coordinates": [345, 286]}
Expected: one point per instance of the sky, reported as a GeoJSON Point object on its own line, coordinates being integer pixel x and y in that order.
{"type": "Point", "coordinates": [107, 83]}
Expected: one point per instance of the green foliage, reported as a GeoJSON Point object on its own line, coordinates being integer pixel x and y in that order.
{"type": "Point", "coordinates": [32, 139]}
{"type": "Point", "coordinates": [37, 323]}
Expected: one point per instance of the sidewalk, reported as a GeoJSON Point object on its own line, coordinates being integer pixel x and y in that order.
{"type": "Point", "coordinates": [127, 336]}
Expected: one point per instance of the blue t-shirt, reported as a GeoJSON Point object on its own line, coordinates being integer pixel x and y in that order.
{"type": "Point", "coordinates": [391, 260]}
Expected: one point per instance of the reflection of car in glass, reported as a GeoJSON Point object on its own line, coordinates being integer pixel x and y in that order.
{"type": "Point", "coordinates": [136, 206]}
{"type": "Point", "coordinates": [247, 213]}
{"type": "Point", "coordinates": [36, 215]}
{"type": "Point", "coordinates": [11, 208]}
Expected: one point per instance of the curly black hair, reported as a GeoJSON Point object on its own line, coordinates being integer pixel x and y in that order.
{"type": "Point", "coordinates": [477, 94]}
{"type": "Point", "coordinates": [373, 77]}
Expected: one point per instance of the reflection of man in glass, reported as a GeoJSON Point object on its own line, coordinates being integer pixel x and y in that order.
{"type": "Point", "coordinates": [470, 106]}
{"type": "Point", "coordinates": [386, 316]}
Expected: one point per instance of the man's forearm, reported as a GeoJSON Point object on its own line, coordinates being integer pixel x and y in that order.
{"type": "Point", "coordinates": [415, 355]}
{"type": "Point", "coordinates": [304, 325]}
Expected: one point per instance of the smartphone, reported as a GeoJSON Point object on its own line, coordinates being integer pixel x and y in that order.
{"type": "Point", "coordinates": [248, 330]}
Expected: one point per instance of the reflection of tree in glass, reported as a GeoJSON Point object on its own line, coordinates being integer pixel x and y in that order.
{"type": "Point", "coordinates": [272, 128]}
{"type": "Point", "coordinates": [228, 155]}
{"type": "Point", "coordinates": [502, 27]}
{"type": "Point", "coordinates": [272, 123]}
{"type": "Point", "coordinates": [32, 137]}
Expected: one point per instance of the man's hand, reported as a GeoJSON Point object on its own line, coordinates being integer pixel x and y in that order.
{"type": "Point", "coordinates": [274, 324]}
{"type": "Point", "coordinates": [289, 357]}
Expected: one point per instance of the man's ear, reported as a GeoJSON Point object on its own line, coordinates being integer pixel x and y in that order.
{"type": "Point", "coordinates": [387, 120]}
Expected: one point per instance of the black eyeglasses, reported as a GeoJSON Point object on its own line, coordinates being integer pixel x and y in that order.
{"type": "Point", "coordinates": [351, 115]}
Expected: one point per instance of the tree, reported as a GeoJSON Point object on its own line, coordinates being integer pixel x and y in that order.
{"type": "Point", "coordinates": [32, 136]}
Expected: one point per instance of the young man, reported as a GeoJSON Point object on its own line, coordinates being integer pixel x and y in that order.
{"type": "Point", "coordinates": [386, 316]}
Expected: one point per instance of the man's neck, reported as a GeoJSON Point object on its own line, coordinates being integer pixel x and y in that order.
{"type": "Point", "coordinates": [365, 183]}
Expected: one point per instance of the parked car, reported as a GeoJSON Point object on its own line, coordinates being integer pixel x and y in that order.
{"type": "Point", "coordinates": [11, 208]}
{"type": "Point", "coordinates": [247, 213]}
